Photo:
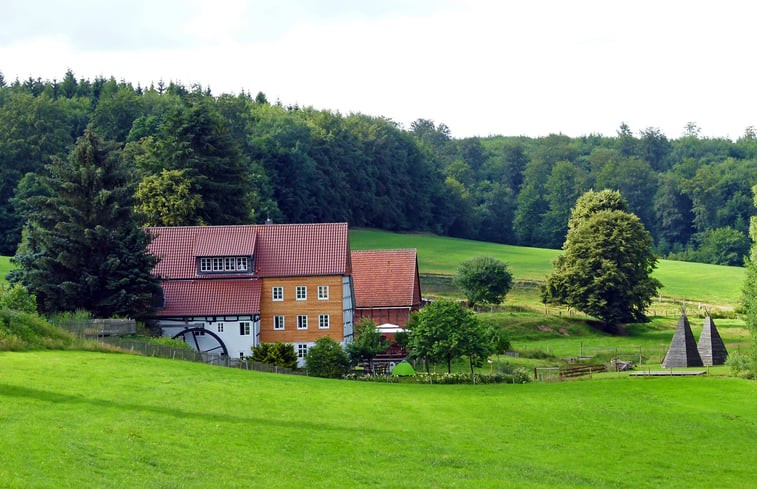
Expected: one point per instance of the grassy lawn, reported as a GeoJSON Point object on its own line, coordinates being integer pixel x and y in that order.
{"type": "Point", "coordinates": [710, 284]}
{"type": "Point", "coordinates": [565, 338]}
{"type": "Point", "coordinates": [74, 419]}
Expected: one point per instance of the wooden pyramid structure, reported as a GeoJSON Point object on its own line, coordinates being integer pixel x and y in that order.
{"type": "Point", "coordinates": [683, 349]}
{"type": "Point", "coordinates": [711, 347]}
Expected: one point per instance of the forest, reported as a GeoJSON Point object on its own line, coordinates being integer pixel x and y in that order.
{"type": "Point", "coordinates": [198, 158]}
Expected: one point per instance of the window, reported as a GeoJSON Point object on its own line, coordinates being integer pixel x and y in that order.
{"type": "Point", "coordinates": [278, 322]}
{"type": "Point", "coordinates": [302, 350]}
{"type": "Point", "coordinates": [302, 322]}
{"type": "Point", "coordinates": [302, 292]}
{"type": "Point", "coordinates": [220, 327]}
{"type": "Point", "coordinates": [323, 321]}
{"type": "Point", "coordinates": [278, 293]}
{"type": "Point", "coordinates": [217, 264]}
{"type": "Point", "coordinates": [244, 328]}
{"type": "Point", "coordinates": [323, 292]}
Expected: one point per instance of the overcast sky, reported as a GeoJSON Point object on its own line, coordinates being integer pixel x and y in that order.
{"type": "Point", "coordinates": [482, 67]}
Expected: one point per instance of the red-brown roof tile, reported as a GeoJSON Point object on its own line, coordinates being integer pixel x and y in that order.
{"type": "Point", "coordinates": [279, 250]}
{"type": "Point", "coordinates": [285, 250]}
{"type": "Point", "coordinates": [385, 278]}
{"type": "Point", "coordinates": [210, 298]}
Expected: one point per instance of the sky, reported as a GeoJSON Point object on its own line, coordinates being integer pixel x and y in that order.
{"type": "Point", "coordinates": [481, 67]}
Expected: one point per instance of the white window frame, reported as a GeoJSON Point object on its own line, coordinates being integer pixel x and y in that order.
{"type": "Point", "coordinates": [218, 264]}
{"type": "Point", "coordinates": [244, 328]}
{"type": "Point", "coordinates": [279, 323]}
{"type": "Point", "coordinates": [301, 293]}
{"type": "Point", "coordinates": [230, 264]}
{"type": "Point", "coordinates": [324, 321]}
{"type": "Point", "coordinates": [323, 292]}
{"type": "Point", "coordinates": [302, 350]}
{"type": "Point", "coordinates": [220, 328]}
{"type": "Point", "coordinates": [277, 293]}
{"type": "Point", "coordinates": [241, 263]}
{"type": "Point", "coordinates": [302, 322]}
{"type": "Point", "coordinates": [205, 265]}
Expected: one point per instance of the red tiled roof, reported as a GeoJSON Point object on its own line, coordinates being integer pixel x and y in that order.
{"type": "Point", "coordinates": [225, 241]}
{"type": "Point", "coordinates": [285, 250]}
{"type": "Point", "coordinates": [210, 297]}
{"type": "Point", "coordinates": [279, 250]}
{"type": "Point", "coordinates": [385, 278]}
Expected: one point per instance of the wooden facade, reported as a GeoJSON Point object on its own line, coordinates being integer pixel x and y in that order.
{"type": "Point", "coordinates": [311, 307]}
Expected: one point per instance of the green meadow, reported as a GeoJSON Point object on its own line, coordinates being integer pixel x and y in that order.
{"type": "Point", "coordinates": [101, 420]}
{"type": "Point", "coordinates": [5, 268]}
{"type": "Point", "coordinates": [699, 282]}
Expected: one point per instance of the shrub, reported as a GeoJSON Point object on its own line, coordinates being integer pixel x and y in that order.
{"type": "Point", "coordinates": [17, 298]}
{"type": "Point", "coordinates": [740, 365]}
{"type": "Point", "coordinates": [327, 359]}
{"type": "Point", "coordinates": [278, 354]}
{"type": "Point", "coordinates": [518, 376]}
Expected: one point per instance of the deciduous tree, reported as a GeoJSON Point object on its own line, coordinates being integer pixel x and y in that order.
{"type": "Point", "coordinates": [327, 358]}
{"type": "Point", "coordinates": [443, 331]}
{"type": "Point", "coordinates": [750, 287]}
{"type": "Point", "coordinates": [608, 260]}
{"type": "Point", "coordinates": [367, 344]}
{"type": "Point", "coordinates": [484, 279]}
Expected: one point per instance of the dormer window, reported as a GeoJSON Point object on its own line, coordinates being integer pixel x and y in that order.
{"type": "Point", "coordinates": [224, 264]}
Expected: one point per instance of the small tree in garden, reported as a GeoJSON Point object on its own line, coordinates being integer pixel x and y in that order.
{"type": "Point", "coordinates": [327, 358]}
{"type": "Point", "coordinates": [499, 340]}
{"type": "Point", "coordinates": [484, 280]}
{"type": "Point", "coordinates": [473, 341]}
{"type": "Point", "coordinates": [443, 331]}
{"type": "Point", "coordinates": [367, 344]}
{"type": "Point", "coordinates": [278, 354]}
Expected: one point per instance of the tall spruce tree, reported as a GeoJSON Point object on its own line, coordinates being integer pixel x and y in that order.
{"type": "Point", "coordinates": [82, 247]}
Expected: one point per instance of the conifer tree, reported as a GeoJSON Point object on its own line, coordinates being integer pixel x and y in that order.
{"type": "Point", "coordinates": [82, 247]}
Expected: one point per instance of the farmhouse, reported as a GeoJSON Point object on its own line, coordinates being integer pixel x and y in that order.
{"type": "Point", "coordinates": [387, 285]}
{"type": "Point", "coordinates": [229, 288]}
{"type": "Point", "coordinates": [387, 290]}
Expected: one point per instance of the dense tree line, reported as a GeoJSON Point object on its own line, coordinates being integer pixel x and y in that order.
{"type": "Point", "coordinates": [197, 158]}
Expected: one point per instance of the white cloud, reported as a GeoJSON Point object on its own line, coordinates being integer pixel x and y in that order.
{"type": "Point", "coordinates": [481, 67]}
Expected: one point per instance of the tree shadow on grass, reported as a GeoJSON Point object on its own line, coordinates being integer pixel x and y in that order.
{"type": "Point", "coordinates": [21, 392]}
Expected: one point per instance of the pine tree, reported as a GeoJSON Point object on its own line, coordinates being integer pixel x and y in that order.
{"type": "Point", "coordinates": [82, 247]}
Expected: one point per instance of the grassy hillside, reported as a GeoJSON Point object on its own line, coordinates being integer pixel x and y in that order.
{"type": "Point", "coordinates": [5, 267]}
{"type": "Point", "coordinates": [710, 284]}
{"type": "Point", "coordinates": [106, 420]}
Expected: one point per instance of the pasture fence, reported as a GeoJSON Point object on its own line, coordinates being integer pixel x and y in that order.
{"type": "Point", "coordinates": [150, 349]}
{"type": "Point", "coordinates": [110, 332]}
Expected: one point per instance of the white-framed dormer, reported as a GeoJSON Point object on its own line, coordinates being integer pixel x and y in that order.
{"type": "Point", "coordinates": [207, 265]}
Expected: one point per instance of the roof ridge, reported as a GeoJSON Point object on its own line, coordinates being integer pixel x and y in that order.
{"type": "Point", "coordinates": [387, 249]}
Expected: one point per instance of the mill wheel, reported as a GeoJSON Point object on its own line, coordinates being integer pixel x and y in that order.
{"type": "Point", "coordinates": [203, 340]}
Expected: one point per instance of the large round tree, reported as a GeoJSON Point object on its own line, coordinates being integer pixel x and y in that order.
{"type": "Point", "coordinates": [608, 261]}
